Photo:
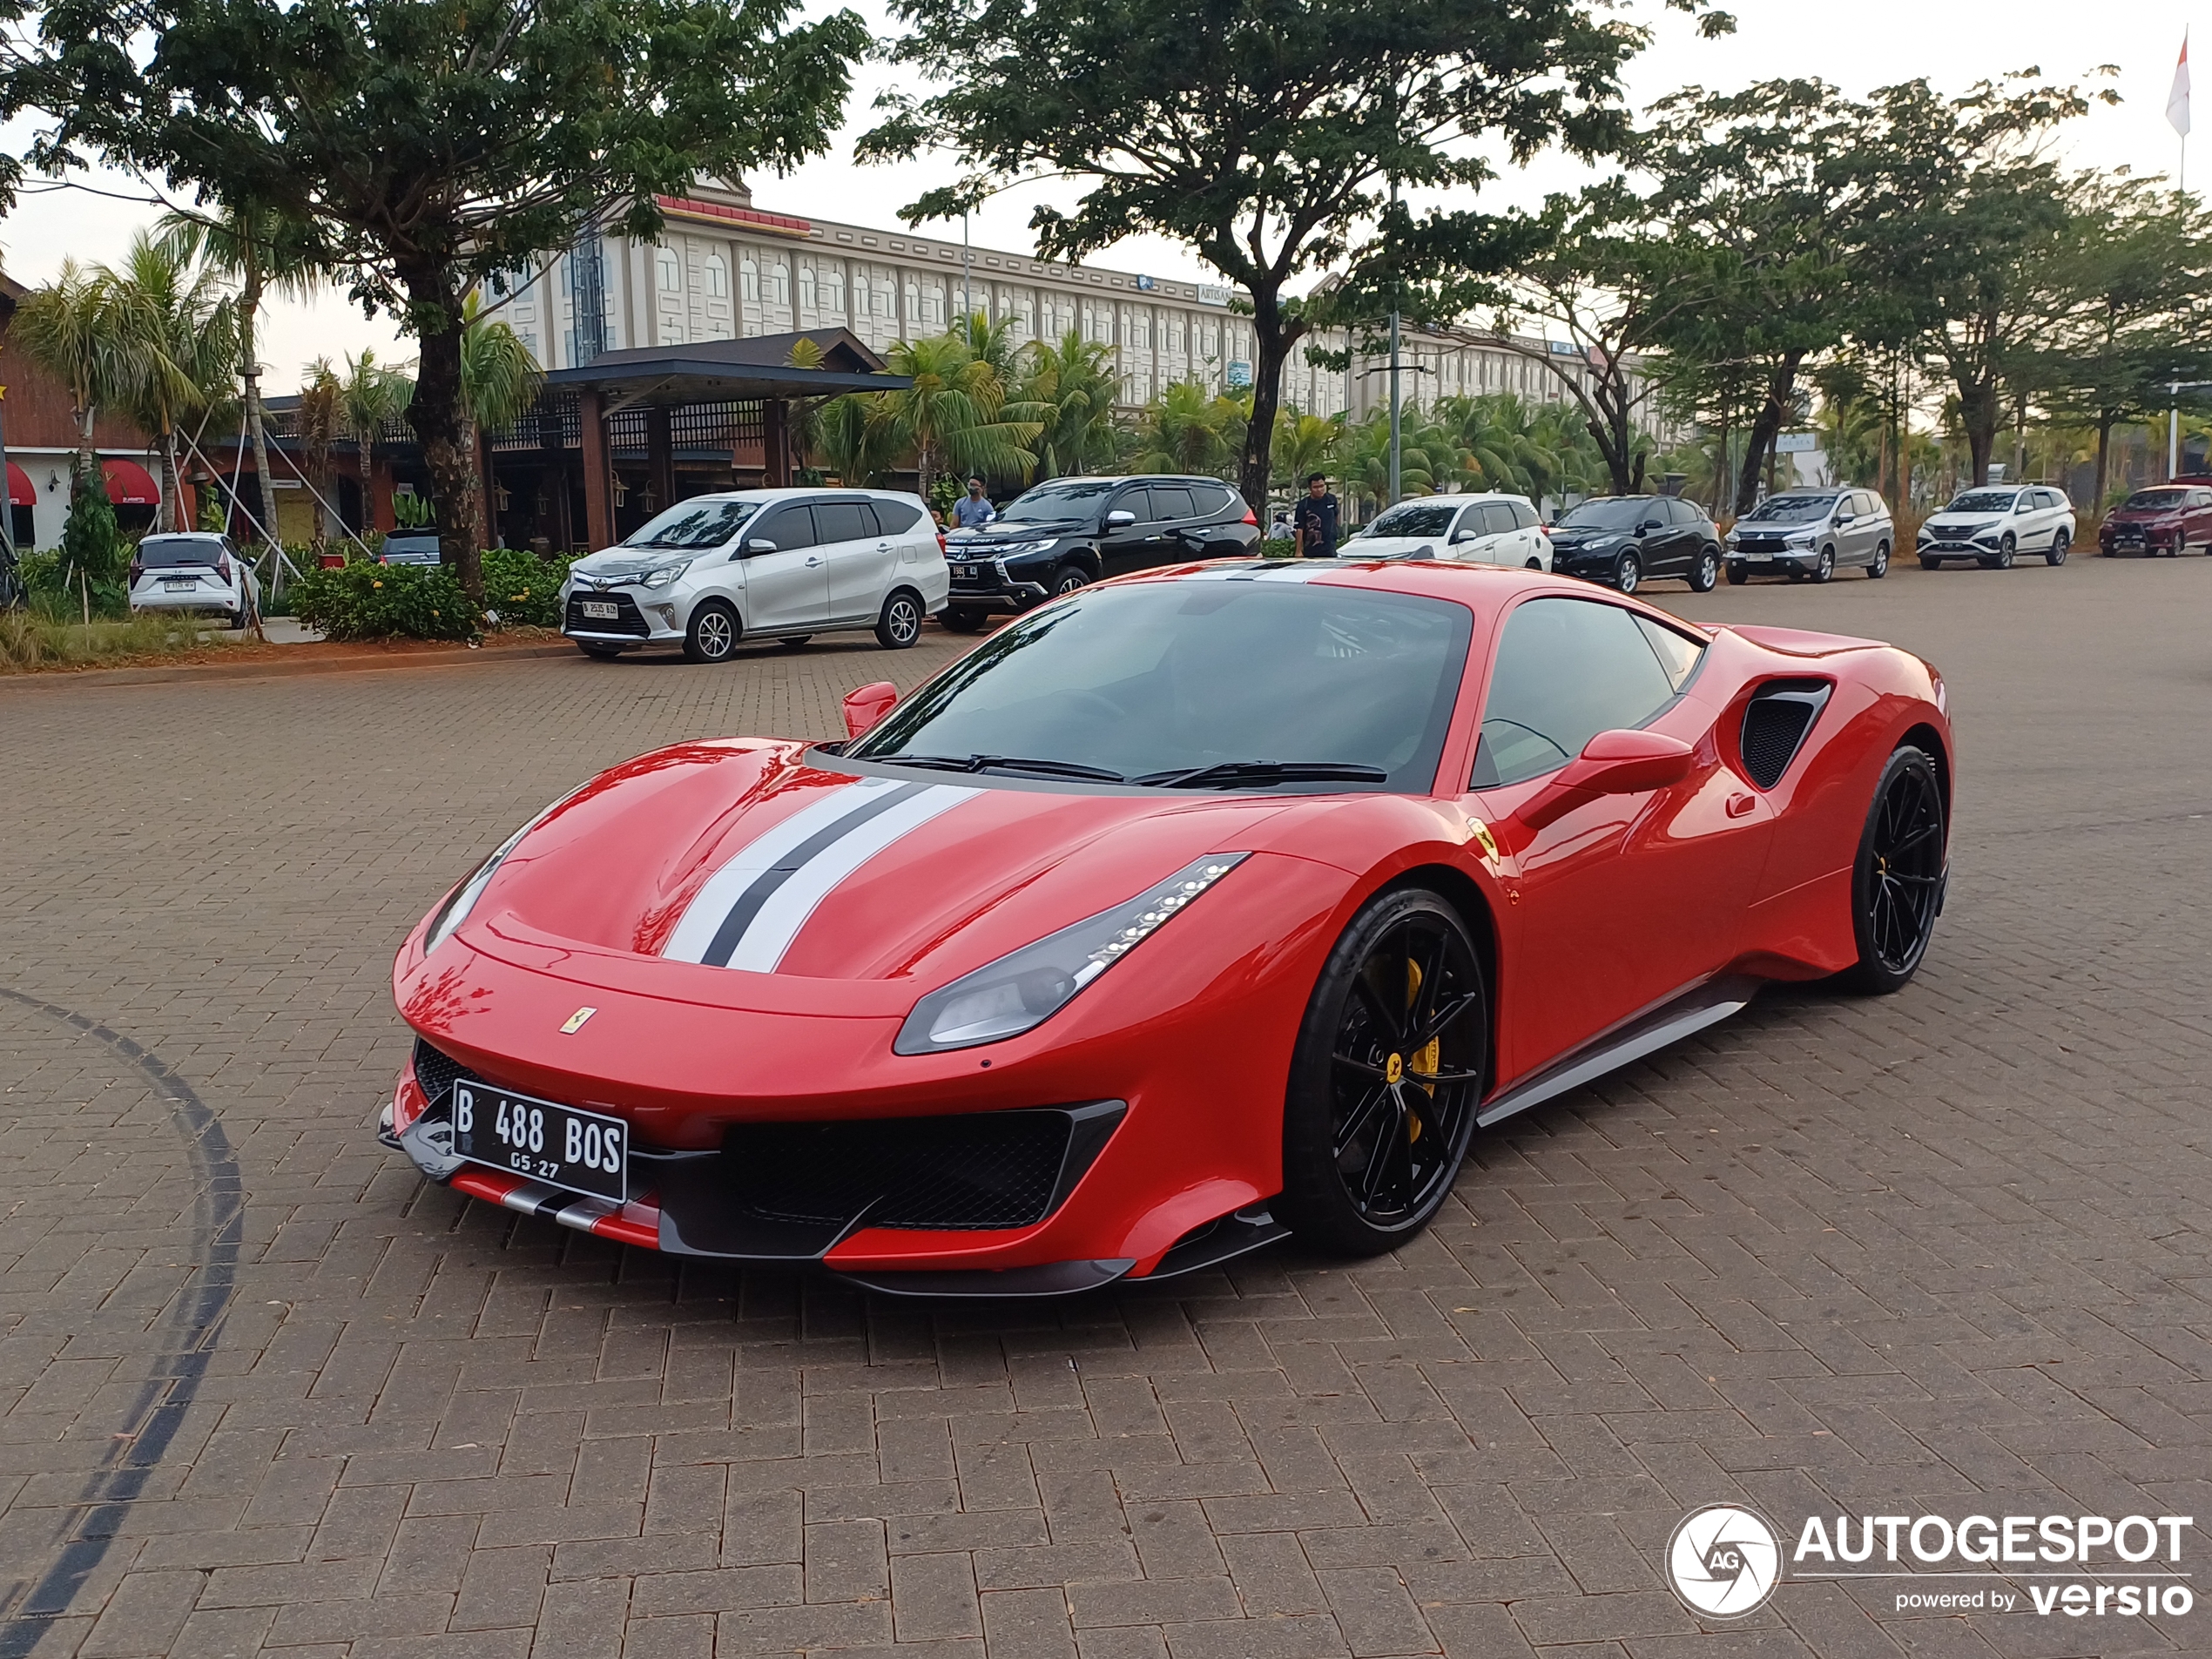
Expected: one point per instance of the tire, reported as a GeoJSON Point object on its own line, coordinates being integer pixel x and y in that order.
{"type": "Point", "coordinates": [1706, 573]}
{"type": "Point", "coordinates": [1535, 565]}
{"type": "Point", "coordinates": [2181, 545]}
{"type": "Point", "coordinates": [1068, 578]}
{"type": "Point", "coordinates": [793, 642]}
{"type": "Point", "coordinates": [900, 623]}
{"type": "Point", "coordinates": [1881, 568]}
{"type": "Point", "coordinates": [236, 620]}
{"type": "Point", "coordinates": [1897, 880]}
{"type": "Point", "coordinates": [958, 619]}
{"type": "Point", "coordinates": [1628, 574]}
{"type": "Point", "coordinates": [1737, 576]}
{"type": "Point", "coordinates": [1347, 1184]}
{"type": "Point", "coordinates": [598, 653]}
{"type": "Point", "coordinates": [1825, 567]}
{"type": "Point", "coordinates": [2060, 543]}
{"type": "Point", "coordinates": [712, 633]}
{"type": "Point", "coordinates": [1927, 563]}
{"type": "Point", "coordinates": [2005, 549]}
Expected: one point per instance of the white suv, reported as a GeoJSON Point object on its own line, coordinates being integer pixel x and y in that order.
{"type": "Point", "coordinates": [198, 571]}
{"type": "Point", "coordinates": [1469, 530]}
{"type": "Point", "coordinates": [1991, 524]}
{"type": "Point", "coordinates": [781, 564]}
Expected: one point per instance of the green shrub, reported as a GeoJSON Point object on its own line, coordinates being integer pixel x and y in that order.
{"type": "Point", "coordinates": [369, 601]}
{"type": "Point", "coordinates": [1279, 547]}
{"type": "Point", "coordinates": [92, 544]}
{"type": "Point", "coordinates": [523, 590]}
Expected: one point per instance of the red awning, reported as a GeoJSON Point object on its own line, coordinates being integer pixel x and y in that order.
{"type": "Point", "coordinates": [21, 491]}
{"type": "Point", "coordinates": [129, 485]}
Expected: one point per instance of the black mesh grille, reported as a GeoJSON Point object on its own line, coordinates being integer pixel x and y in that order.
{"type": "Point", "coordinates": [628, 619]}
{"type": "Point", "coordinates": [1775, 728]}
{"type": "Point", "coordinates": [980, 1169]}
{"type": "Point", "coordinates": [436, 1072]}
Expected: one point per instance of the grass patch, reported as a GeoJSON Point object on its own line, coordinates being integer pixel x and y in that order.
{"type": "Point", "coordinates": [37, 638]}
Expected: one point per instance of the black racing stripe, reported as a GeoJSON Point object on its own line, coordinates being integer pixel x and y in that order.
{"type": "Point", "coordinates": [764, 886]}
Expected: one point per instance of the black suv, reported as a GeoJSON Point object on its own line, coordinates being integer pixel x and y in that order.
{"type": "Point", "coordinates": [1620, 540]}
{"type": "Point", "coordinates": [1071, 531]}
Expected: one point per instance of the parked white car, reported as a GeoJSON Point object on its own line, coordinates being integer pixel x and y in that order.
{"type": "Point", "coordinates": [781, 564]}
{"type": "Point", "coordinates": [1466, 529]}
{"type": "Point", "coordinates": [1991, 524]}
{"type": "Point", "coordinates": [194, 571]}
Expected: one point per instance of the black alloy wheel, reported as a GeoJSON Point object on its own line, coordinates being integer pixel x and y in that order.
{"type": "Point", "coordinates": [1824, 567]}
{"type": "Point", "coordinates": [900, 623]}
{"type": "Point", "coordinates": [2060, 543]}
{"type": "Point", "coordinates": [1385, 1077]}
{"type": "Point", "coordinates": [961, 619]}
{"type": "Point", "coordinates": [1706, 572]}
{"type": "Point", "coordinates": [712, 634]}
{"type": "Point", "coordinates": [1897, 881]}
{"type": "Point", "coordinates": [1628, 573]}
{"type": "Point", "coordinates": [1881, 568]}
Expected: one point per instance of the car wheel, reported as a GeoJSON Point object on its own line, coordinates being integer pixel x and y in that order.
{"type": "Point", "coordinates": [1824, 566]}
{"type": "Point", "coordinates": [2005, 550]}
{"type": "Point", "coordinates": [1897, 881]}
{"type": "Point", "coordinates": [598, 653]}
{"type": "Point", "coordinates": [1927, 563]}
{"type": "Point", "coordinates": [1737, 576]}
{"type": "Point", "coordinates": [2060, 543]}
{"type": "Point", "coordinates": [958, 619]}
{"type": "Point", "coordinates": [1881, 568]}
{"type": "Point", "coordinates": [1705, 573]}
{"type": "Point", "coordinates": [713, 635]}
{"type": "Point", "coordinates": [900, 623]}
{"type": "Point", "coordinates": [2181, 545]}
{"type": "Point", "coordinates": [235, 620]}
{"type": "Point", "coordinates": [1068, 578]}
{"type": "Point", "coordinates": [1627, 575]}
{"type": "Point", "coordinates": [793, 642]}
{"type": "Point", "coordinates": [1535, 565]}
{"type": "Point", "coordinates": [1385, 1076]}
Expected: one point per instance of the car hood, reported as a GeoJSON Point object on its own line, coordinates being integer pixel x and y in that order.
{"type": "Point", "coordinates": [803, 872]}
{"type": "Point", "coordinates": [613, 563]}
{"type": "Point", "coordinates": [1579, 534]}
{"type": "Point", "coordinates": [1959, 520]}
{"type": "Point", "coordinates": [2142, 514]}
{"type": "Point", "coordinates": [999, 533]}
{"type": "Point", "coordinates": [1395, 547]}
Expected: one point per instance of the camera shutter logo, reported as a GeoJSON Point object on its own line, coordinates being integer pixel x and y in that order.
{"type": "Point", "coordinates": [1724, 1562]}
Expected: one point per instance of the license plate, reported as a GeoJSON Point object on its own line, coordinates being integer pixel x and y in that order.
{"type": "Point", "coordinates": [178, 583]}
{"type": "Point", "coordinates": [601, 609]}
{"type": "Point", "coordinates": [580, 1151]}
{"type": "Point", "coordinates": [969, 571]}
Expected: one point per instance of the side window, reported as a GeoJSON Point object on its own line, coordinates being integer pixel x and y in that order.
{"type": "Point", "coordinates": [842, 521]}
{"type": "Point", "coordinates": [2201, 498]}
{"type": "Point", "coordinates": [1681, 511]}
{"type": "Point", "coordinates": [1218, 503]}
{"type": "Point", "coordinates": [787, 527]}
{"type": "Point", "coordinates": [1497, 519]}
{"type": "Point", "coordinates": [1131, 500]}
{"type": "Point", "coordinates": [895, 517]}
{"type": "Point", "coordinates": [1524, 516]}
{"type": "Point", "coordinates": [1869, 502]}
{"type": "Point", "coordinates": [1566, 671]}
{"type": "Point", "coordinates": [1170, 502]}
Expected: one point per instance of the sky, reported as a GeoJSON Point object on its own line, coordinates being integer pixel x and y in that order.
{"type": "Point", "coordinates": [1857, 46]}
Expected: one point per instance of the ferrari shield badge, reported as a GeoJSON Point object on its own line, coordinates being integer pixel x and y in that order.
{"type": "Point", "coordinates": [574, 1023]}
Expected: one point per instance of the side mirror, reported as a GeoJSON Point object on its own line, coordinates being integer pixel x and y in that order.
{"type": "Point", "coordinates": [1612, 763]}
{"type": "Point", "coordinates": [867, 705]}
{"type": "Point", "coordinates": [1459, 536]}
{"type": "Point", "coordinates": [760, 544]}
{"type": "Point", "coordinates": [1120, 519]}
{"type": "Point", "coordinates": [1845, 518]}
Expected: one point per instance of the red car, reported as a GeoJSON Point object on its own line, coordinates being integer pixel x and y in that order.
{"type": "Point", "coordinates": [2165, 518]}
{"type": "Point", "coordinates": [925, 1007]}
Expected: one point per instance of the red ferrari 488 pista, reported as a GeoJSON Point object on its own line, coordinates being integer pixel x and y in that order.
{"type": "Point", "coordinates": [1185, 911]}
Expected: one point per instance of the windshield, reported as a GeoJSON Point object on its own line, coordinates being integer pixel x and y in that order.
{"type": "Point", "coordinates": [1984, 500]}
{"type": "Point", "coordinates": [173, 552]}
{"type": "Point", "coordinates": [694, 524]}
{"type": "Point", "coordinates": [2157, 501]}
{"type": "Point", "coordinates": [1790, 509]}
{"type": "Point", "coordinates": [1611, 512]}
{"type": "Point", "coordinates": [1166, 677]}
{"type": "Point", "coordinates": [1053, 503]}
{"type": "Point", "coordinates": [1415, 518]}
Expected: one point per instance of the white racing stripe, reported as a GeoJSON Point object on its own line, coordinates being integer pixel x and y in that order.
{"type": "Point", "coordinates": [703, 916]}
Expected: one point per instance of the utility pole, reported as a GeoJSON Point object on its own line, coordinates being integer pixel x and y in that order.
{"type": "Point", "coordinates": [1395, 433]}
{"type": "Point", "coordinates": [967, 266]}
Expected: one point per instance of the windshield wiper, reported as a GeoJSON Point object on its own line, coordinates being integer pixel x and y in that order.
{"type": "Point", "coordinates": [1236, 774]}
{"type": "Point", "coordinates": [1002, 763]}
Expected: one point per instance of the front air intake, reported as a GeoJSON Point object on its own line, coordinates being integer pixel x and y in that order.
{"type": "Point", "coordinates": [1780, 714]}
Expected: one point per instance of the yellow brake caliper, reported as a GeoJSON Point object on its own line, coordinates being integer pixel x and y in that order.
{"type": "Point", "coordinates": [1423, 1061]}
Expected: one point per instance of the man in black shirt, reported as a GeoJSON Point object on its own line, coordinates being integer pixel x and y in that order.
{"type": "Point", "coordinates": [1314, 522]}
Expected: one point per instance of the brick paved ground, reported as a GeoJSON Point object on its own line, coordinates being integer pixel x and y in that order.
{"type": "Point", "coordinates": [1944, 1253]}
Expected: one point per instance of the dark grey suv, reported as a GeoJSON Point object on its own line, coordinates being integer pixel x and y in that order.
{"type": "Point", "coordinates": [1072, 531]}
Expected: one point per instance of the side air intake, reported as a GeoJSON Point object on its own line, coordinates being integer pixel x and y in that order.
{"type": "Point", "coordinates": [1775, 726]}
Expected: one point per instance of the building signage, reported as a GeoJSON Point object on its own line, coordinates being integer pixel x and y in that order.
{"type": "Point", "coordinates": [1209, 295]}
{"type": "Point", "coordinates": [1238, 375]}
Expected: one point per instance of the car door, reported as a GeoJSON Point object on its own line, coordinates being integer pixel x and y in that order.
{"type": "Point", "coordinates": [1626, 900]}
{"type": "Point", "coordinates": [858, 558]}
{"type": "Point", "coordinates": [1874, 521]}
{"type": "Point", "coordinates": [1173, 518]}
{"type": "Point", "coordinates": [1850, 529]}
{"type": "Point", "coordinates": [1500, 534]}
{"type": "Point", "coordinates": [786, 582]}
{"type": "Point", "coordinates": [1123, 548]}
{"type": "Point", "coordinates": [2197, 515]}
{"type": "Point", "coordinates": [1529, 537]}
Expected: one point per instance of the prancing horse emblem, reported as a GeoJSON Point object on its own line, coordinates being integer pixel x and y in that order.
{"type": "Point", "coordinates": [574, 1023]}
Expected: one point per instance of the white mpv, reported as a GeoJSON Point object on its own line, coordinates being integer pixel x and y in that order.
{"type": "Point", "coordinates": [1466, 529]}
{"type": "Point", "coordinates": [782, 564]}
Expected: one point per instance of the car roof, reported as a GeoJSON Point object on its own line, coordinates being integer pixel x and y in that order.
{"type": "Point", "coordinates": [183, 536]}
{"type": "Point", "coordinates": [1131, 478]}
{"type": "Point", "coordinates": [798, 492]}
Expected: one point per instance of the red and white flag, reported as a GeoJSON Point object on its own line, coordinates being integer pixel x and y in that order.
{"type": "Point", "coordinates": [2177, 101]}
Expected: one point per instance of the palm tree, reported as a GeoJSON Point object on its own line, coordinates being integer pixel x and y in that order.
{"type": "Point", "coordinates": [321, 417]}
{"type": "Point", "coordinates": [369, 397]}
{"type": "Point", "coordinates": [1189, 429]}
{"type": "Point", "coordinates": [1304, 444]}
{"type": "Point", "coordinates": [68, 328]}
{"type": "Point", "coordinates": [266, 253]}
{"type": "Point", "coordinates": [499, 381]}
{"type": "Point", "coordinates": [852, 433]}
{"type": "Point", "coordinates": [176, 334]}
{"type": "Point", "coordinates": [1075, 387]}
{"type": "Point", "coordinates": [954, 414]}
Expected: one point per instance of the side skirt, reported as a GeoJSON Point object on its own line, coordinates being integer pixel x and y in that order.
{"type": "Point", "coordinates": [1703, 1004]}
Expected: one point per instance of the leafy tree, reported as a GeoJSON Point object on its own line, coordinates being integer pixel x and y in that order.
{"type": "Point", "coordinates": [427, 144]}
{"type": "Point", "coordinates": [1263, 136]}
{"type": "Point", "coordinates": [1189, 428]}
{"type": "Point", "coordinates": [92, 544]}
{"type": "Point", "coordinates": [175, 339]}
{"type": "Point", "coordinates": [69, 329]}
{"type": "Point", "coordinates": [1074, 387]}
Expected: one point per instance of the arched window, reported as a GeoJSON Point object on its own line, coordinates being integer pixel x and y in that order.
{"type": "Point", "coordinates": [809, 295]}
{"type": "Point", "coordinates": [749, 279]}
{"type": "Point", "coordinates": [668, 270]}
{"type": "Point", "coordinates": [778, 282]}
{"type": "Point", "coordinates": [717, 278]}
{"type": "Point", "coordinates": [832, 292]}
{"type": "Point", "coordinates": [914, 301]}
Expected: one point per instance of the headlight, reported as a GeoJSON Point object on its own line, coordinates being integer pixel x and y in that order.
{"type": "Point", "coordinates": [1026, 987]}
{"type": "Point", "coordinates": [456, 909]}
{"type": "Point", "coordinates": [661, 575]}
{"type": "Point", "coordinates": [1731, 538]}
{"type": "Point", "coordinates": [1801, 538]}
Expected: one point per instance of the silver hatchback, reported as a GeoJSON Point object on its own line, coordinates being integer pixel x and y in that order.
{"type": "Point", "coordinates": [1812, 533]}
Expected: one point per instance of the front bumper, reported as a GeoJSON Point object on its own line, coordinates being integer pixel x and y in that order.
{"type": "Point", "coordinates": [650, 619]}
{"type": "Point", "coordinates": [988, 584]}
{"type": "Point", "coordinates": [1773, 558]}
{"type": "Point", "coordinates": [1960, 547]}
